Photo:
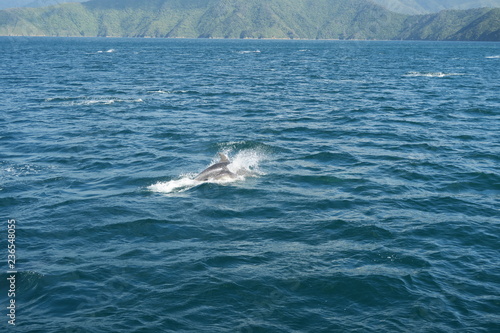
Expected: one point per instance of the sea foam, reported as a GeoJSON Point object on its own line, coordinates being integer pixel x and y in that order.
{"type": "Point", "coordinates": [247, 52]}
{"type": "Point", "coordinates": [108, 51]}
{"type": "Point", "coordinates": [85, 101]}
{"type": "Point", "coordinates": [431, 74]}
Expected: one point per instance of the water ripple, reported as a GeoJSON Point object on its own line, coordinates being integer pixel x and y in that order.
{"type": "Point", "coordinates": [372, 206]}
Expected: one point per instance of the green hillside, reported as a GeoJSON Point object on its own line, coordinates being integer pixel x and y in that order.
{"type": "Point", "coordinates": [434, 6]}
{"type": "Point", "coordinates": [482, 24]}
{"type": "Point", "coordinates": [309, 19]}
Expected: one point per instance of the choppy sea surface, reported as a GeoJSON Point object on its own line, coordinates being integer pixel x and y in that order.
{"type": "Point", "coordinates": [371, 203]}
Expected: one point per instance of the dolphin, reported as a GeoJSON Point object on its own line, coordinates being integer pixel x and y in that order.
{"type": "Point", "coordinates": [217, 171]}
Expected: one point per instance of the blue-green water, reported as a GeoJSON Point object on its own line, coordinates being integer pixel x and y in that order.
{"type": "Point", "coordinates": [373, 203]}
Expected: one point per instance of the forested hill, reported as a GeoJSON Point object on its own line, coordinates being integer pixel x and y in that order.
{"type": "Point", "coordinates": [309, 19]}
{"type": "Point", "coordinates": [482, 24]}
{"type": "Point", "coordinates": [434, 6]}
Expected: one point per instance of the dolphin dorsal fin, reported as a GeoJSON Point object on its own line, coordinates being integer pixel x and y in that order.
{"type": "Point", "coordinates": [223, 158]}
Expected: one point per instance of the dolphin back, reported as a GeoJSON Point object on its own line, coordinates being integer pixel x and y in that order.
{"type": "Point", "coordinates": [216, 171]}
{"type": "Point", "coordinates": [223, 158]}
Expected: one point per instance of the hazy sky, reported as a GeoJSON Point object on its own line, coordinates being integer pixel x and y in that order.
{"type": "Point", "coordinates": [409, 6]}
{"type": "Point", "coordinates": [37, 3]}
{"type": "Point", "coordinates": [426, 6]}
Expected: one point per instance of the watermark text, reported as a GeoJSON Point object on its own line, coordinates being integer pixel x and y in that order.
{"type": "Point", "coordinates": [11, 271]}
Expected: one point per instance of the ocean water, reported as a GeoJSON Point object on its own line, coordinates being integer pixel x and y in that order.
{"type": "Point", "coordinates": [370, 202]}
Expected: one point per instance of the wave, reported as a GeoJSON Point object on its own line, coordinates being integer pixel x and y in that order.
{"type": "Point", "coordinates": [431, 74]}
{"type": "Point", "coordinates": [493, 57]}
{"type": "Point", "coordinates": [78, 101]}
{"type": "Point", "coordinates": [245, 163]}
{"type": "Point", "coordinates": [160, 91]}
{"type": "Point", "coordinates": [108, 51]}
{"type": "Point", "coordinates": [247, 52]}
{"type": "Point", "coordinates": [11, 170]}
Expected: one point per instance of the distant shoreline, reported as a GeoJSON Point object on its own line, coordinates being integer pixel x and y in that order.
{"type": "Point", "coordinates": [255, 39]}
{"type": "Point", "coordinates": [357, 20]}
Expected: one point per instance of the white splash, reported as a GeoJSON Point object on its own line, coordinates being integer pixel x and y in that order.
{"type": "Point", "coordinates": [176, 185]}
{"type": "Point", "coordinates": [159, 91]}
{"type": "Point", "coordinates": [244, 164]}
{"type": "Point", "coordinates": [247, 52]}
{"type": "Point", "coordinates": [105, 101]}
{"type": "Point", "coordinates": [168, 91]}
{"type": "Point", "coordinates": [431, 74]}
{"type": "Point", "coordinates": [108, 51]}
{"type": "Point", "coordinates": [96, 101]}
{"type": "Point", "coordinates": [493, 57]}
{"type": "Point", "coordinates": [85, 101]}
{"type": "Point", "coordinates": [17, 170]}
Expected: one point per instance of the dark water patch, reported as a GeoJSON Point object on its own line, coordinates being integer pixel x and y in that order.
{"type": "Point", "coordinates": [365, 233]}
{"type": "Point", "coordinates": [481, 155]}
{"type": "Point", "coordinates": [409, 173]}
{"type": "Point", "coordinates": [13, 201]}
{"type": "Point", "coordinates": [446, 204]}
{"type": "Point", "coordinates": [454, 231]}
{"type": "Point", "coordinates": [337, 158]}
{"type": "Point", "coordinates": [375, 190]}
{"type": "Point", "coordinates": [423, 147]}
{"type": "Point", "coordinates": [474, 182]}
{"type": "Point", "coordinates": [333, 204]}
{"type": "Point", "coordinates": [265, 212]}
{"type": "Point", "coordinates": [481, 112]}
{"type": "Point", "coordinates": [315, 180]}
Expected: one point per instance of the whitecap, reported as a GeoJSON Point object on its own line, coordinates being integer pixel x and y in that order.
{"type": "Point", "coordinates": [108, 51]}
{"type": "Point", "coordinates": [431, 74]}
{"type": "Point", "coordinates": [60, 99]}
{"type": "Point", "coordinates": [247, 52]}
{"type": "Point", "coordinates": [95, 101]}
{"type": "Point", "coordinates": [18, 170]}
{"type": "Point", "coordinates": [493, 57]}
{"type": "Point", "coordinates": [159, 92]}
{"type": "Point", "coordinates": [86, 101]}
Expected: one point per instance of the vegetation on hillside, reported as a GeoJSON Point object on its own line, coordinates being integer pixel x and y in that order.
{"type": "Point", "coordinates": [309, 19]}
{"type": "Point", "coordinates": [482, 24]}
{"type": "Point", "coordinates": [434, 6]}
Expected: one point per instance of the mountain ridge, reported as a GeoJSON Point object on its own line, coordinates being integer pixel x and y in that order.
{"type": "Point", "coordinates": [415, 7]}
{"type": "Point", "coordinates": [411, 7]}
{"type": "Point", "coordinates": [305, 19]}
